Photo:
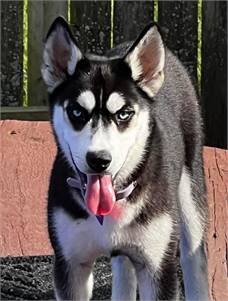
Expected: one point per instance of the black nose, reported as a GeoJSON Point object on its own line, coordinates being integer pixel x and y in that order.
{"type": "Point", "coordinates": [98, 161]}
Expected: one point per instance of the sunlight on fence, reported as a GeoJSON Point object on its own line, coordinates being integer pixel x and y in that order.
{"type": "Point", "coordinates": [199, 48]}
{"type": "Point", "coordinates": [25, 54]}
{"type": "Point", "coordinates": [155, 10]}
{"type": "Point", "coordinates": [193, 30]}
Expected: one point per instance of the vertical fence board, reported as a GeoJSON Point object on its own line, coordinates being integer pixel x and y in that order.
{"type": "Point", "coordinates": [214, 72]}
{"type": "Point", "coordinates": [36, 89]}
{"type": "Point", "coordinates": [53, 9]}
{"type": "Point", "coordinates": [179, 22]}
{"type": "Point", "coordinates": [94, 21]}
{"type": "Point", "coordinates": [130, 18]}
{"type": "Point", "coordinates": [40, 15]}
{"type": "Point", "coordinates": [11, 53]}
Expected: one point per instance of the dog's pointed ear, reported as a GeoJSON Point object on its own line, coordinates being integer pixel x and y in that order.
{"type": "Point", "coordinates": [146, 59]}
{"type": "Point", "coordinates": [60, 55]}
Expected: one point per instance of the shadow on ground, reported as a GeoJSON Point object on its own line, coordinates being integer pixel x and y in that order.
{"type": "Point", "coordinates": [30, 278]}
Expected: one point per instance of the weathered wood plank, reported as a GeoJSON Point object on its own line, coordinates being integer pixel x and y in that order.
{"type": "Point", "coordinates": [39, 113]}
{"type": "Point", "coordinates": [53, 9]}
{"type": "Point", "coordinates": [40, 15]}
{"type": "Point", "coordinates": [36, 88]}
{"type": "Point", "coordinates": [216, 171]}
{"type": "Point", "coordinates": [94, 21]}
{"type": "Point", "coordinates": [11, 52]}
{"type": "Point", "coordinates": [130, 18]}
{"type": "Point", "coordinates": [27, 150]}
{"type": "Point", "coordinates": [214, 72]}
{"type": "Point", "coordinates": [179, 22]}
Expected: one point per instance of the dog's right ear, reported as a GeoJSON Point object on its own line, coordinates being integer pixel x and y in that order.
{"type": "Point", "coordinates": [60, 55]}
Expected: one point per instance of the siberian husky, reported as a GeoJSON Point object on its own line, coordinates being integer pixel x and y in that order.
{"type": "Point", "coordinates": [128, 178]}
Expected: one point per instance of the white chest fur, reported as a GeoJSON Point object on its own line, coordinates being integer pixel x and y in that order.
{"type": "Point", "coordinates": [84, 240]}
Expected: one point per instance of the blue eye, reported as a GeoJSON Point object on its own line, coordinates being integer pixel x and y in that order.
{"type": "Point", "coordinates": [77, 113]}
{"type": "Point", "coordinates": [124, 115]}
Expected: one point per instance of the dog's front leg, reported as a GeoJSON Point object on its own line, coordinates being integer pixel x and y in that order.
{"type": "Point", "coordinates": [193, 258]}
{"type": "Point", "coordinates": [162, 285]}
{"type": "Point", "coordinates": [146, 285]}
{"type": "Point", "coordinates": [124, 279]}
{"type": "Point", "coordinates": [194, 268]}
{"type": "Point", "coordinates": [73, 281]}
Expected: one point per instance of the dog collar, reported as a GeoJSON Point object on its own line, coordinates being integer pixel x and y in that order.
{"type": "Point", "coordinates": [80, 184]}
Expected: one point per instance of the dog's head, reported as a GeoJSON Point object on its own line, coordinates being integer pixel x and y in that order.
{"type": "Point", "coordinates": [101, 106]}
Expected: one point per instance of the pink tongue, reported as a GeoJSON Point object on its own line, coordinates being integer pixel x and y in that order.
{"type": "Point", "coordinates": [100, 196]}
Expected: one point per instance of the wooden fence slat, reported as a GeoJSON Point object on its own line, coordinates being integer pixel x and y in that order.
{"type": "Point", "coordinates": [214, 72]}
{"type": "Point", "coordinates": [94, 21]}
{"type": "Point", "coordinates": [36, 88]}
{"type": "Point", "coordinates": [216, 175]}
{"type": "Point", "coordinates": [40, 15]}
{"type": "Point", "coordinates": [25, 113]}
{"type": "Point", "coordinates": [130, 18]}
{"type": "Point", "coordinates": [12, 53]}
{"type": "Point", "coordinates": [179, 22]}
{"type": "Point", "coordinates": [53, 9]}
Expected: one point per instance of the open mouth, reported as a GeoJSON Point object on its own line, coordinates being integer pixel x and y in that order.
{"type": "Point", "coordinates": [98, 191]}
{"type": "Point", "coordinates": [100, 195]}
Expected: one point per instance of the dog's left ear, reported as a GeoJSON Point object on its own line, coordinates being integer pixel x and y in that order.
{"type": "Point", "coordinates": [60, 55]}
{"type": "Point", "coordinates": [146, 58]}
